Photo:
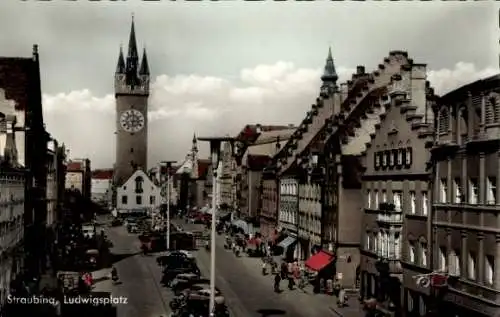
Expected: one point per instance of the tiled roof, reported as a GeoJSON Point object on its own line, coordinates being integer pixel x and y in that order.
{"type": "Point", "coordinates": [102, 174]}
{"type": "Point", "coordinates": [257, 162]}
{"type": "Point", "coordinates": [17, 76]}
{"type": "Point", "coordinates": [203, 166]}
{"type": "Point", "coordinates": [249, 132]}
{"type": "Point", "coordinates": [475, 87]}
{"type": "Point", "coordinates": [75, 167]}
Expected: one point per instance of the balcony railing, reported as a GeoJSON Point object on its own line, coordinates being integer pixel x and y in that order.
{"type": "Point", "coordinates": [395, 218]}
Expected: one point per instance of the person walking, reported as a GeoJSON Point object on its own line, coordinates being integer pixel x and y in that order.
{"type": "Point", "coordinates": [277, 280]}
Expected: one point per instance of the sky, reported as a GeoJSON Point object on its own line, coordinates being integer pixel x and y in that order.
{"type": "Point", "coordinates": [217, 66]}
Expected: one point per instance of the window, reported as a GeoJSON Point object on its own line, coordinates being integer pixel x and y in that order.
{"type": "Point", "coordinates": [491, 190]}
{"type": "Point", "coordinates": [124, 199]}
{"type": "Point", "coordinates": [380, 243]}
{"type": "Point", "coordinates": [462, 125]}
{"type": "Point", "coordinates": [384, 196]}
{"type": "Point", "coordinates": [397, 246]}
{"type": "Point", "coordinates": [443, 121]}
{"type": "Point", "coordinates": [471, 266]}
{"type": "Point", "coordinates": [384, 159]}
{"type": "Point", "coordinates": [421, 307]}
{"type": "Point", "coordinates": [411, 252]}
{"type": "Point", "coordinates": [454, 263]}
{"type": "Point", "coordinates": [443, 190]}
{"type": "Point", "coordinates": [425, 203]}
{"type": "Point", "coordinates": [400, 157]}
{"type": "Point", "coordinates": [408, 157]}
{"type": "Point", "coordinates": [376, 200]}
{"type": "Point", "coordinates": [473, 191]}
{"type": "Point", "coordinates": [489, 269]}
{"type": "Point", "coordinates": [152, 200]}
{"type": "Point", "coordinates": [391, 159]}
{"type": "Point", "coordinates": [368, 200]}
{"type": "Point", "coordinates": [442, 263]}
{"type": "Point", "coordinates": [377, 160]}
{"type": "Point", "coordinates": [368, 241]}
{"type": "Point", "coordinates": [138, 200]}
{"type": "Point", "coordinates": [138, 184]}
{"type": "Point", "coordinates": [413, 207]}
{"type": "Point", "coordinates": [410, 302]}
{"type": "Point", "coordinates": [457, 189]}
{"type": "Point", "coordinates": [397, 201]}
{"type": "Point", "coordinates": [423, 254]}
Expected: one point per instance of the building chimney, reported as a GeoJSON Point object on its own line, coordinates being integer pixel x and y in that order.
{"type": "Point", "coordinates": [35, 52]}
{"type": "Point", "coordinates": [360, 70]}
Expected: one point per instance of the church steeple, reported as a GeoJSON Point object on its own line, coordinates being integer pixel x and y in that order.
{"type": "Point", "coordinates": [194, 147]}
{"type": "Point", "coordinates": [132, 55]}
{"type": "Point", "coordinates": [120, 67]}
{"type": "Point", "coordinates": [329, 77]}
{"type": "Point", "coordinates": [144, 64]}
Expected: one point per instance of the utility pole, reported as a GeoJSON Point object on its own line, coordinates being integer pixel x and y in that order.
{"type": "Point", "coordinates": [168, 164]}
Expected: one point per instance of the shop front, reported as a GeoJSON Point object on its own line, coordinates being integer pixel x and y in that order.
{"type": "Point", "coordinates": [287, 247]}
{"type": "Point", "coordinates": [322, 264]}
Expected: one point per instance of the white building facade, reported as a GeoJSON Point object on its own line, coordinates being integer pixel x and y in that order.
{"type": "Point", "coordinates": [51, 184]}
{"type": "Point", "coordinates": [74, 180]}
{"type": "Point", "coordinates": [138, 193]}
{"type": "Point", "coordinates": [12, 181]}
{"type": "Point", "coordinates": [289, 213]}
{"type": "Point", "coordinates": [11, 228]}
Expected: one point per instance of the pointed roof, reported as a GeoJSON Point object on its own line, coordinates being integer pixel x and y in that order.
{"type": "Point", "coordinates": [144, 70]}
{"type": "Point", "coordinates": [132, 43]}
{"type": "Point", "coordinates": [195, 143]}
{"type": "Point", "coordinates": [329, 74]}
{"type": "Point", "coordinates": [120, 67]}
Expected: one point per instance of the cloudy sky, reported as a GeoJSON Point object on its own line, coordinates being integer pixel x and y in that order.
{"type": "Point", "coordinates": [217, 66]}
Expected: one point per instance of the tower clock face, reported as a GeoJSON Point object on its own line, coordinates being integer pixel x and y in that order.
{"type": "Point", "coordinates": [132, 121]}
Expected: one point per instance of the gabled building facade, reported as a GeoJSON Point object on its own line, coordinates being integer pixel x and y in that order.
{"type": "Point", "coordinates": [396, 193]}
{"type": "Point", "coordinates": [466, 199]}
{"type": "Point", "coordinates": [102, 186]}
{"type": "Point", "coordinates": [138, 193]}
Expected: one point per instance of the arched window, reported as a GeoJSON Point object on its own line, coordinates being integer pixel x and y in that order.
{"type": "Point", "coordinates": [443, 121]}
{"type": "Point", "coordinates": [462, 124]}
{"type": "Point", "coordinates": [138, 184]}
{"type": "Point", "coordinates": [492, 109]}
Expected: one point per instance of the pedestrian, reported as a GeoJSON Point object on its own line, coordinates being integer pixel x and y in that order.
{"type": "Point", "coordinates": [277, 280]}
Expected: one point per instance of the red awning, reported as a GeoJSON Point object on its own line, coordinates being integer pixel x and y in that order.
{"type": "Point", "coordinates": [318, 261]}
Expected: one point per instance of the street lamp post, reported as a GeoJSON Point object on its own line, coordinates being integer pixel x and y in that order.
{"type": "Point", "coordinates": [169, 167]}
{"type": "Point", "coordinates": [215, 143]}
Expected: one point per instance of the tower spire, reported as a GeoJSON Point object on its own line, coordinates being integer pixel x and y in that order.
{"type": "Point", "coordinates": [144, 64]}
{"type": "Point", "coordinates": [120, 67]}
{"type": "Point", "coordinates": [194, 147]}
{"type": "Point", "coordinates": [329, 73]}
{"type": "Point", "coordinates": [132, 43]}
{"type": "Point", "coordinates": [329, 77]}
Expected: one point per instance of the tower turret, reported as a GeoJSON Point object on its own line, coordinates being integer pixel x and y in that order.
{"type": "Point", "coordinates": [144, 64]}
{"type": "Point", "coordinates": [194, 147]}
{"type": "Point", "coordinates": [130, 77]}
{"type": "Point", "coordinates": [329, 77]}
{"type": "Point", "coordinates": [120, 67]}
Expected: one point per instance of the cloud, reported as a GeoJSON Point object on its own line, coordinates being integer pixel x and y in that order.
{"type": "Point", "coordinates": [181, 105]}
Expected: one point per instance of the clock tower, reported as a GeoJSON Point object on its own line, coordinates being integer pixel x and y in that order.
{"type": "Point", "coordinates": [131, 94]}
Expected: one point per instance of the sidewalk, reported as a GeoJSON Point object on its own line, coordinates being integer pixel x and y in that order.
{"type": "Point", "coordinates": [306, 296]}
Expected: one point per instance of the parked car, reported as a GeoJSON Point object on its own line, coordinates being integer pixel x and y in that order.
{"type": "Point", "coordinates": [175, 256]}
{"type": "Point", "coordinates": [116, 222]}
